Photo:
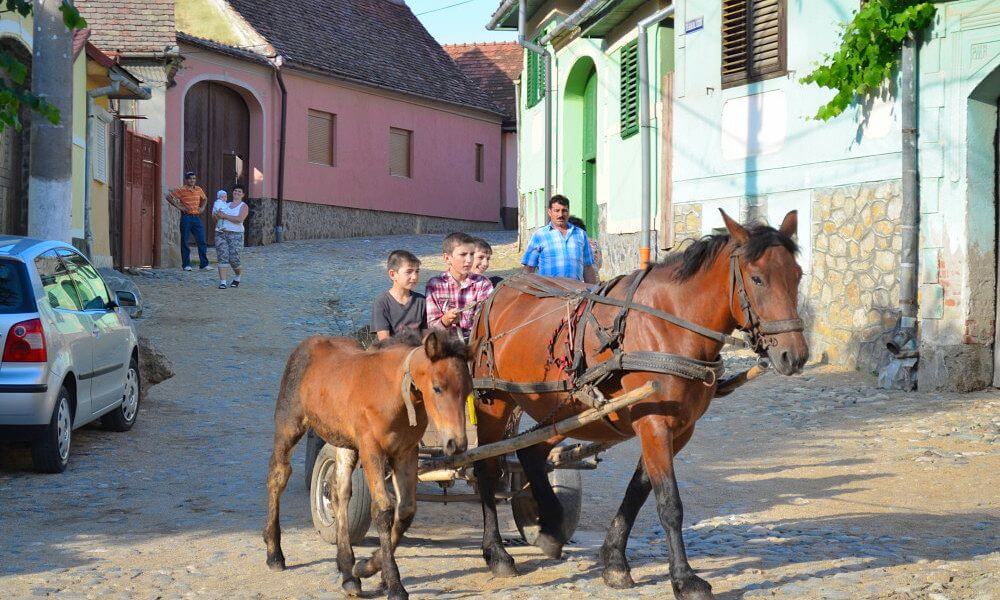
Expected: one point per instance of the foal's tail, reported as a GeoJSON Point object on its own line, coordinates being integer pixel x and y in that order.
{"type": "Point", "coordinates": [288, 403]}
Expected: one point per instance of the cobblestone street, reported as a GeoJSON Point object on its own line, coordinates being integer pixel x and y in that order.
{"type": "Point", "coordinates": [816, 486]}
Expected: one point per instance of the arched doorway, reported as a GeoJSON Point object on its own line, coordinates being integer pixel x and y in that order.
{"type": "Point", "coordinates": [216, 140]}
{"type": "Point", "coordinates": [14, 146]}
{"type": "Point", "coordinates": [580, 143]}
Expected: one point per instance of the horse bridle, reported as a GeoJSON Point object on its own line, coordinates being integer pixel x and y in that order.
{"type": "Point", "coordinates": [761, 332]}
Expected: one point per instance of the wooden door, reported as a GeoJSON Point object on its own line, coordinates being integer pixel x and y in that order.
{"type": "Point", "coordinates": [14, 158]}
{"type": "Point", "coordinates": [141, 210]}
{"type": "Point", "coordinates": [216, 141]}
{"type": "Point", "coordinates": [589, 167]}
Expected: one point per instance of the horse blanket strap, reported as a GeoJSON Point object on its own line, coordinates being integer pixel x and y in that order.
{"type": "Point", "coordinates": [407, 386]}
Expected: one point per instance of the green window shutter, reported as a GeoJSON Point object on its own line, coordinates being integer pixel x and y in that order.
{"type": "Point", "coordinates": [629, 93]}
{"type": "Point", "coordinates": [535, 84]}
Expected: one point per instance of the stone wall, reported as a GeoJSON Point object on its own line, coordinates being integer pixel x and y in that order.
{"type": "Point", "coordinates": [687, 224]}
{"type": "Point", "coordinates": [854, 284]}
{"type": "Point", "coordinates": [304, 220]}
{"type": "Point", "coordinates": [850, 294]}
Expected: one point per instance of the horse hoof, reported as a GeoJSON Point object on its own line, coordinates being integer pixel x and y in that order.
{"type": "Point", "coordinates": [619, 579]}
{"type": "Point", "coordinates": [399, 594]}
{"type": "Point", "coordinates": [692, 588]}
{"type": "Point", "coordinates": [276, 562]}
{"type": "Point", "coordinates": [549, 545]}
{"type": "Point", "coordinates": [364, 569]}
{"type": "Point", "coordinates": [503, 569]}
{"type": "Point", "coordinates": [352, 587]}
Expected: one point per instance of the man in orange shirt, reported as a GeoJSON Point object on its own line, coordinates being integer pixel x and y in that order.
{"type": "Point", "coordinates": [190, 200]}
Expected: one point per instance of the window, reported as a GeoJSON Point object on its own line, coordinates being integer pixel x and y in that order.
{"type": "Point", "coordinates": [535, 86]}
{"type": "Point", "coordinates": [15, 291]}
{"type": "Point", "coordinates": [400, 152]}
{"type": "Point", "coordinates": [57, 283]}
{"type": "Point", "coordinates": [479, 162]}
{"type": "Point", "coordinates": [753, 40]}
{"type": "Point", "coordinates": [629, 100]}
{"type": "Point", "coordinates": [93, 293]}
{"type": "Point", "coordinates": [322, 136]}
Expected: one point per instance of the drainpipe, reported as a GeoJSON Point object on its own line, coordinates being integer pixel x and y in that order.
{"type": "Point", "coordinates": [905, 339]}
{"type": "Point", "coordinates": [645, 131]}
{"type": "Point", "coordinates": [139, 93]}
{"type": "Point", "coordinates": [570, 22]}
{"type": "Point", "coordinates": [279, 223]}
{"type": "Point", "coordinates": [522, 26]}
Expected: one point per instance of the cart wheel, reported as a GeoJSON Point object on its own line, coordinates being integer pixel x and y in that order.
{"type": "Point", "coordinates": [568, 486]}
{"type": "Point", "coordinates": [323, 499]}
{"type": "Point", "coordinates": [566, 483]}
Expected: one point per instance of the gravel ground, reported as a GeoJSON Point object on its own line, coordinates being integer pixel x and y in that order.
{"type": "Point", "coordinates": [816, 486]}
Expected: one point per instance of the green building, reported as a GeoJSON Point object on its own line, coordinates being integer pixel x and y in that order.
{"type": "Point", "coordinates": [730, 127]}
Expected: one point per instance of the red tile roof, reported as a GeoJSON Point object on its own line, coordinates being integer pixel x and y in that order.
{"type": "Point", "coordinates": [80, 37]}
{"type": "Point", "coordinates": [376, 42]}
{"type": "Point", "coordinates": [493, 66]}
{"type": "Point", "coordinates": [130, 25]}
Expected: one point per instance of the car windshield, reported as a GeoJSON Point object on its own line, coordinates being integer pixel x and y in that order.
{"type": "Point", "coordinates": [15, 293]}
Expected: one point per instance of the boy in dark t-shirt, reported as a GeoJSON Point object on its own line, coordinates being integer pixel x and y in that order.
{"type": "Point", "coordinates": [400, 307]}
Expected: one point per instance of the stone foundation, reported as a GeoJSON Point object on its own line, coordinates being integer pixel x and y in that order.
{"type": "Point", "coordinates": [956, 368]}
{"type": "Point", "coordinates": [304, 221]}
{"type": "Point", "coordinates": [853, 289]}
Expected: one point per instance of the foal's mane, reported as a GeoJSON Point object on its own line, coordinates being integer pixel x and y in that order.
{"type": "Point", "coordinates": [452, 347]}
{"type": "Point", "coordinates": [684, 264]}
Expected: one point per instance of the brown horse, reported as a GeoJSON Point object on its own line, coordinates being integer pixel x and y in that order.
{"type": "Point", "coordinates": [373, 405]}
{"type": "Point", "coordinates": [745, 280]}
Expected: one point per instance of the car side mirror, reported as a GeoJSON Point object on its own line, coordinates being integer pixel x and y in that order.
{"type": "Point", "coordinates": [126, 299]}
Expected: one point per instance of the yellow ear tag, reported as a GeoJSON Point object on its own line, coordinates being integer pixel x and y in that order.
{"type": "Point", "coordinates": [470, 404]}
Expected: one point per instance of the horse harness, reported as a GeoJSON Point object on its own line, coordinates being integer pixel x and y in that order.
{"type": "Point", "coordinates": [587, 378]}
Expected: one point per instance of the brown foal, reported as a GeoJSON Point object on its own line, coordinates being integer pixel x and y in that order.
{"type": "Point", "coordinates": [357, 401]}
{"type": "Point", "coordinates": [696, 285]}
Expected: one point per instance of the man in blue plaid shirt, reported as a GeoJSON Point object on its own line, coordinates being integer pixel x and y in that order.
{"type": "Point", "coordinates": [559, 249]}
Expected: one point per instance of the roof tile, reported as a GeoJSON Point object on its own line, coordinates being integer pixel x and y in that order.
{"type": "Point", "coordinates": [492, 66]}
{"type": "Point", "coordinates": [130, 25]}
{"type": "Point", "coordinates": [378, 42]}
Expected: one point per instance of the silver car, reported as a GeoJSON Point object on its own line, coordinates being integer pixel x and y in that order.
{"type": "Point", "coordinates": [70, 354]}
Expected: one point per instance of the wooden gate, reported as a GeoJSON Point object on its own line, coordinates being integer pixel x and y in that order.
{"type": "Point", "coordinates": [216, 141]}
{"type": "Point", "coordinates": [141, 210]}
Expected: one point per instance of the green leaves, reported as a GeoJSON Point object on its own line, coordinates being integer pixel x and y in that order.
{"type": "Point", "coordinates": [71, 16]}
{"type": "Point", "coordinates": [15, 89]}
{"type": "Point", "coordinates": [869, 51]}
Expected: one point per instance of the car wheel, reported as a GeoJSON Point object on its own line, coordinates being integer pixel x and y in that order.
{"type": "Point", "coordinates": [122, 418]}
{"type": "Point", "coordinates": [50, 453]}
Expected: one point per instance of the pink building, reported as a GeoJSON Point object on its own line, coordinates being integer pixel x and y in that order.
{"type": "Point", "coordinates": [494, 66]}
{"type": "Point", "coordinates": [377, 130]}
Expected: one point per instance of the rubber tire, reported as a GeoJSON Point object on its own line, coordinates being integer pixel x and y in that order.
{"type": "Point", "coordinates": [566, 483]}
{"type": "Point", "coordinates": [116, 419]}
{"type": "Point", "coordinates": [359, 510]}
{"type": "Point", "coordinates": [45, 453]}
{"type": "Point", "coordinates": [568, 486]}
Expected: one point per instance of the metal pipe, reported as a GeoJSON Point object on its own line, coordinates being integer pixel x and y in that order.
{"type": "Point", "coordinates": [279, 219]}
{"type": "Point", "coordinates": [906, 338]}
{"type": "Point", "coordinates": [645, 131]}
{"type": "Point", "coordinates": [522, 26]}
{"type": "Point", "coordinates": [572, 20]}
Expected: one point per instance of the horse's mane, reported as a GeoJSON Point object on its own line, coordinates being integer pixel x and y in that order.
{"type": "Point", "coordinates": [686, 263]}
{"type": "Point", "coordinates": [452, 348]}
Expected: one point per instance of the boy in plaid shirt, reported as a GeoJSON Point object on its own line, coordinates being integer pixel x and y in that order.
{"type": "Point", "coordinates": [453, 295]}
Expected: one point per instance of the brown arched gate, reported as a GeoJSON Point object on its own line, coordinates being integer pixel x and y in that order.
{"type": "Point", "coordinates": [216, 140]}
